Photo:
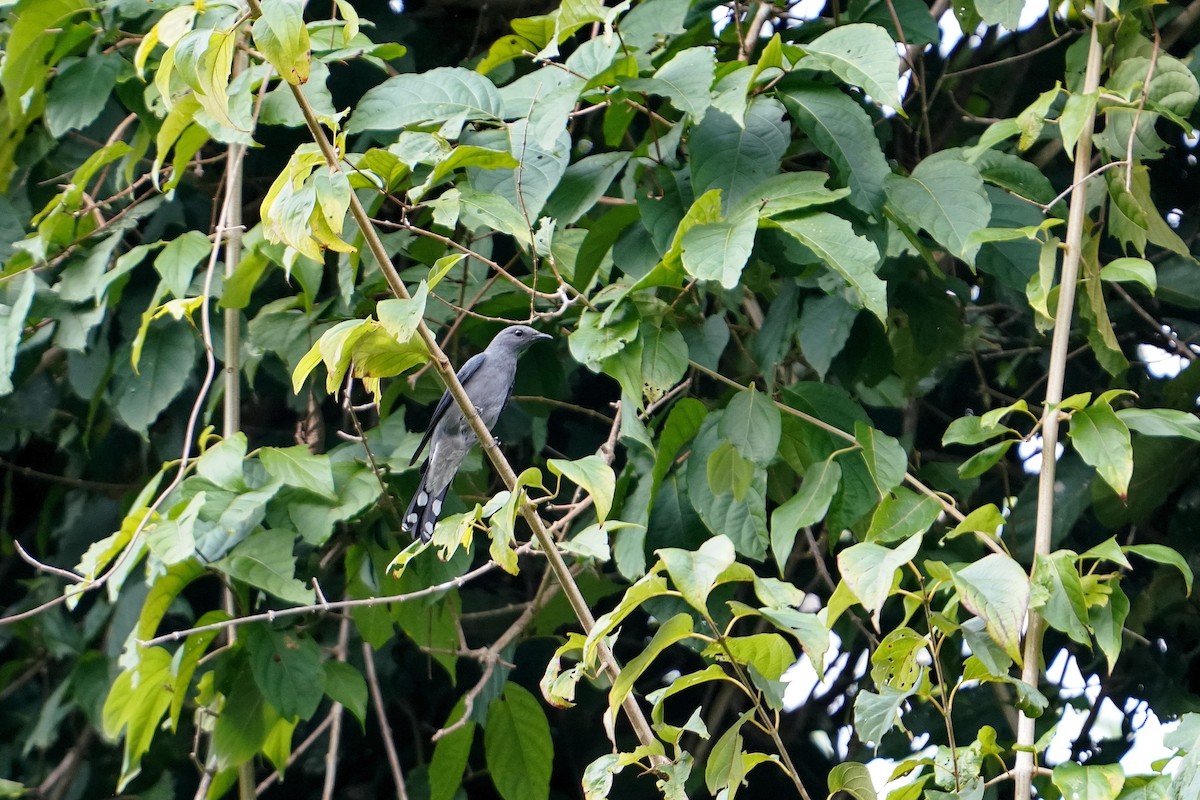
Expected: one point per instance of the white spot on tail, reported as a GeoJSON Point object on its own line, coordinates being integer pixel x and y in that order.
{"type": "Point", "coordinates": [437, 508]}
{"type": "Point", "coordinates": [423, 498]}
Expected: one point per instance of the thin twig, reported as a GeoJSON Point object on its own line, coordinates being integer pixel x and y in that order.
{"type": "Point", "coordinates": [338, 605]}
{"type": "Point", "coordinates": [385, 729]}
{"type": "Point", "coordinates": [335, 715]}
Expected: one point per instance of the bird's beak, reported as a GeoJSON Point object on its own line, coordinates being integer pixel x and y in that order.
{"type": "Point", "coordinates": [541, 336]}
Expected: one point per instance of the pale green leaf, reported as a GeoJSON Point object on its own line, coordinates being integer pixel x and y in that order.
{"type": "Point", "coordinates": [593, 475]}
{"type": "Point", "coordinates": [296, 466]}
{"type": "Point", "coordinates": [996, 589]}
{"type": "Point", "coordinates": [438, 95]}
{"type": "Point", "coordinates": [944, 195]}
{"type": "Point", "coordinates": [862, 55]}
{"type": "Point", "coordinates": [695, 573]}
{"type": "Point", "coordinates": [807, 507]}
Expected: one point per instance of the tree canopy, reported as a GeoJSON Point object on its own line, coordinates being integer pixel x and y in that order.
{"type": "Point", "coordinates": [823, 281]}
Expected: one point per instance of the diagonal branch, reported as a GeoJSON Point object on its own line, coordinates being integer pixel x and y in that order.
{"type": "Point", "coordinates": [445, 370]}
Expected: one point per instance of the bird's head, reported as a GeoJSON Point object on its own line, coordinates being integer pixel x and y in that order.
{"type": "Point", "coordinates": [516, 338]}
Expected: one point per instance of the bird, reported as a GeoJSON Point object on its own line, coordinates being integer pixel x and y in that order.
{"type": "Point", "coordinates": [488, 379]}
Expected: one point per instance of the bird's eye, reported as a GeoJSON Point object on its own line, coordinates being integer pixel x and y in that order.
{"type": "Point", "coordinates": [518, 333]}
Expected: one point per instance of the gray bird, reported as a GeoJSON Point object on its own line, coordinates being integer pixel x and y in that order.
{"type": "Point", "coordinates": [488, 379]}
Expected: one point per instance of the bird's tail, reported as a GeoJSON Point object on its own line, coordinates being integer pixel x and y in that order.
{"type": "Point", "coordinates": [423, 511]}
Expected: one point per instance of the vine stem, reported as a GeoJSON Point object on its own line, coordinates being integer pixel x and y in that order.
{"type": "Point", "coordinates": [641, 726]}
{"type": "Point", "coordinates": [1023, 769]}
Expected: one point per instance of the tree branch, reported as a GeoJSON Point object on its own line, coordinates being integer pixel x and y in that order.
{"type": "Point", "coordinates": [445, 370]}
{"type": "Point", "coordinates": [1023, 768]}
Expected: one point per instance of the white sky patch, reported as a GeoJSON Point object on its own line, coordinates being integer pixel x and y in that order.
{"type": "Point", "coordinates": [1030, 452]}
{"type": "Point", "coordinates": [1148, 734]}
{"type": "Point", "coordinates": [1158, 362]}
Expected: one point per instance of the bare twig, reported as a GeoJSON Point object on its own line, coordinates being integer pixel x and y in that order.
{"type": "Point", "coordinates": [490, 656]}
{"type": "Point", "coordinates": [385, 729]}
{"type": "Point", "coordinates": [271, 616]}
{"type": "Point", "coordinates": [335, 715]}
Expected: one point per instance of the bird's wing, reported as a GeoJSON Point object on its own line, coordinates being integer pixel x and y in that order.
{"type": "Point", "coordinates": [464, 374]}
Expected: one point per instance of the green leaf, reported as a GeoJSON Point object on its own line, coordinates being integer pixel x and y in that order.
{"type": "Point", "coordinates": [12, 325]}
{"type": "Point", "coordinates": [718, 251]}
{"type": "Point", "coordinates": [1056, 581]}
{"type": "Point", "coordinates": [1107, 622]}
{"type": "Point", "coordinates": [593, 475]}
{"type": "Point", "coordinates": [751, 422]}
{"type": "Point", "coordinates": [241, 728]}
{"type": "Point", "coordinates": [876, 714]}
{"type": "Point", "coordinates": [1131, 270]}
{"type": "Point", "coordinates": [287, 668]}
{"type": "Point", "coordinates": [584, 183]}
{"type": "Point", "coordinates": [743, 521]}
{"type": "Point", "coordinates": [695, 573]}
{"type": "Point", "coordinates": [807, 507]}
{"type": "Point", "coordinates": [401, 317]}
{"type": "Point", "coordinates": [825, 325]}
{"type": "Point", "coordinates": [996, 589]}
{"type": "Point", "coordinates": [517, 743]}
{"type": "Point", "coordinates": [972, 430]}
{"type": "Point", "coordinates": [450, 755]}
{"type": "Point", "coordinates": [596, 338]}
{"type": "Point", "coordinates": [296, 466]}
{"type": "Point", "coordinates": [944, 196]}
{"type": "Point", "coordinates": [869, 570]}
{"type": "Point", "coordinates": [1076, 112]}
{"type": "Point", "coordinates": [736, 158]}
{"type": "Point", "coordinates": [985, 459]}
{"type": "Point", "coordinates": [80, 92]}
{"type": "Point", "coordinates": [789, 191]}
{"type": "Point", "coordinates": [281, 35]}
{"type": "Point", "coordinates": [729, 471]}
{"type": "Point", "coordinates": [902, 514]}
{"type": "Point", "coordinates": [808, 630]}
{"type": "Point", "coordinates": [986, 519]}
{"type": "Point", "coordinates": [648, 586]}
{"type": "Point", "coordinates": [450, 95]}
{"type": "Point", "coordinates": [136, 703]}
{"type": "Point", "coordinates": [266, 560]}
{"type": "Point", "coordinates": [852, 778]}
{"type": "Point", "coordinates": [895, 663]}
{"type": "Point", "coordinates": [1091, 782]}
{"type": "Point", "coordinates": [539, 167]}
{"type": "Point", "coordinates": [862, 55]}
{"type": "Point", "coordinates": [345, 684]}
{"type": "Point", "coordinates": [167, 357]}
{"type": "Point", "coordinates": [685, 80]}
{"type": "Point", "coordinates": [833, 240]}
{"type": "Point", "coordinates": [1163, 555]}
{"type": "Point", "coordinates": [664, 360]}
{"type": "Point", "coordinates": [842, 130]}
{"type": "Point", "coordinates": [884, 455]}
{"type": "Point", "coordinates": [1161, 422]}
{"type": "Point", "coordinates": [769, 653]}
{"type": "Point", "coordinates": [1001, 12]}
{"type": "Point", "coordinates": [1102, 440]}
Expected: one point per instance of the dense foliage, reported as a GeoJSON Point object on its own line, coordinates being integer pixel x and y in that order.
{"type": "Point", "coordinates": [817, 282]}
